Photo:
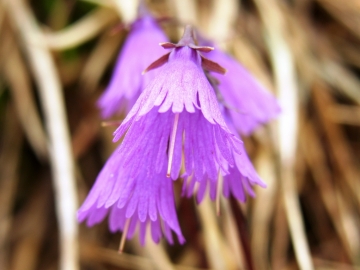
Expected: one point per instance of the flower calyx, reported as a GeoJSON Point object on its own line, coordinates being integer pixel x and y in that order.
{"type": "Point", "coordinates": [188, 39]}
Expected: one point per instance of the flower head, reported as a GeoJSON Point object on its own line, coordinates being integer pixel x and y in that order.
{"type": "Point", "coordinates": [182, 94]}
{"type": "Point", "coordinates": [140, 48]}
{"type": "Point", "coordinates": [176, 115]}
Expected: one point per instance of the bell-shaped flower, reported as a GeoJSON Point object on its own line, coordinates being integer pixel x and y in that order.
{"type": "Point", "coordinates": [182, 95]}
{"type": "Point", "coordinates": [140, 48]}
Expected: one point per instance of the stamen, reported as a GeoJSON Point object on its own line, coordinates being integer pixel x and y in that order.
{"type": "Point", "coordinates": [124, 234]}
{"type": "Point", "coordinates": [218, 193]}
{"type": "Point", "coordinates": [172, 144]}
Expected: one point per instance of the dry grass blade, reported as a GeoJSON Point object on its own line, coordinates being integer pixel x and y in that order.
{"type": "Point", "coordinates": [94, 253]}
{"type": "Point", "coordinates": [312, 150]}
{"type": "Point", "coordinates": [329, 265]}
{"type": "Point", "coordinates": [281, 238]}
{"type": "Point", "coordinates": [342, 156]}
{"type": "Point", "coordinates": [284, 70]}
{"type": "Point", "coordinates": [351, 224]}
{"type": "Point", "coordinates": [347, 12]}
{"type": "Point", "coordinates": [104, 52]}
{"type": "Point", "coordinates": [222, 18]}
{"type": "Point", "coordinates": [20, 85]}
{"type": "Point", "coordinates": [326, 65]}
{"type": "Point", "coordinates": [250, 58]}
{"type": "Point", "coordinates": [127, 9]}
{"type": "Point", "coordinates": [104, 3]}
{"type": "Point", "coordinates": [82, 31]}
{"type": "Point", "coordinates": [344, 114]}
{"type": "Point", "coordinates": [263, 210]}
{"type": "Point", "coordinates": [218, 253]}
{"type": "Point", "coordinates": [190, 256]}
{"type": "Point", "coordinates": [31, 232]}
{"type": "Point", "coordinates": [342, 80]}
{"type": "Point", "coordinates": [2, 17]}
{"type": "Point", "coordinates": [339, 147]}
{"type": "Point", "coordinates": [85, 134]}
{"type": "Point", "coordinates": [349, 51]}
{"type": "Point", "coordinates": [231, 233]}
{"type": "Point", "coordinates": [91, 252]}
{"type": "Point", "coordinates": [59, 141]}
{"type": "Point", "coordinates": [9, 164]}
{"type": "Point", "coordinates": [158, 255]}
{"type": "Point", "coordinates": [185, 11]}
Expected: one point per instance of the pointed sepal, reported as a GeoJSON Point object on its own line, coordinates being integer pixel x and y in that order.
{"type": "Point", "coordinates": [209, 65]}
{"type": "Point", "coordinates": [204, 49]}
{"type": "Point", "coordinates": [168, 45]}
{"type": "Point", "coordinates": [157, 63]}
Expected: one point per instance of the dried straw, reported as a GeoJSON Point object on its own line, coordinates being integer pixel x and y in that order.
{"type": "Point", "coordinates": [58, 142]}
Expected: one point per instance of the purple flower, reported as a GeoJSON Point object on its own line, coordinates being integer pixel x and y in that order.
{"type": "Point", "coordinates": [250, 104]}
{"type": "Point", "coordinates": [141, 48]}
{"type": "Point", "coordinates": [176, 115]}
{"type": "Point", "coordinates": [133, 186]}
{"type": "Point", "coordinates": [182, 95]}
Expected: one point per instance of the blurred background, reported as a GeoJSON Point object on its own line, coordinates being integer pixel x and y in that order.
{"type": "Point", "coordinates": [57, 57]}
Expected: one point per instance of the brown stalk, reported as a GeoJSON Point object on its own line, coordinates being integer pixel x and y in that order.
{"type": "Point", "coordinates": [85, 134]}
{"type": "Point", "coordinates": [59, 146]}
{"type": "Point", "coordinates": [185, 11]}
{"type": "Point", "coordinates": [344, 114]}
{"type": "Point", "coordinates": [104, 3]}
{"type": "Point", "coordinates": [348, 50]}
{"type": "Point", "coordinates": [11, 145]}
{"type": "Point", "coordinates": [342, 156]}
{"type": "Point", "coordinates": [316, 160]}
{"type": "Point", "coordinates": [93, 253]}
{"type": "Point", "coordinates": [101, 56]}
{"type": "Point", "coordinates": [340, 78]}
{"type": "Point", "coordinates": [340, 149]}
{"type": "Point", "coordinates": [284, 72]}
{"type": "Point", "coordinates": [280, 244]}
{"type": "Point", "coordinates": [33, 220]}
{"type": "Point", "coordinates": [80, 32]}
{"type": "Point", "coordinates": [250, 58]}
{"type": "Point", "coordinates": [218, 253]}
{"type": "Point", "coordinates": [20, 85]}
{"type": "Point", "coordinates": [128, 10]}
{"type": "Point", "coordinates": [222, 18]}
{"type": "Point", "coordinates": [263, 209]}
{"type": "Point", "coordinates": [231, 232]}
{"type": "Point", "coordinates": [347, 12]}
{"type": "Point", "coordinates": [157, 253]}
